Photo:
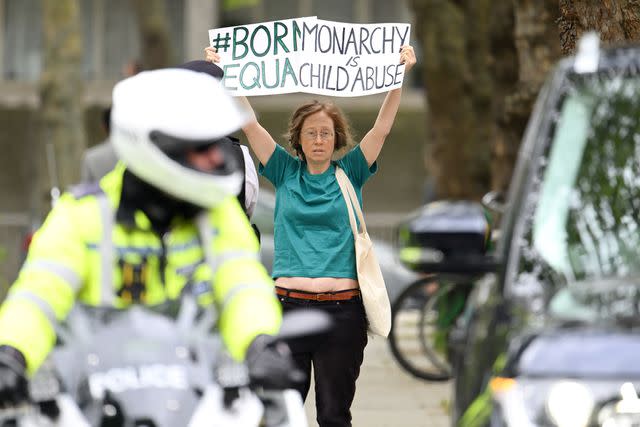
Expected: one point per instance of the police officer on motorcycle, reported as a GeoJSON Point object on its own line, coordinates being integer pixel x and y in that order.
{"type": "Point", "coordinates": [164, 221]}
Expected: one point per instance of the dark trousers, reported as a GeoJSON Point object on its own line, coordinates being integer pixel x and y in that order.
{"type": "Point", "coordinates": [336, 358]}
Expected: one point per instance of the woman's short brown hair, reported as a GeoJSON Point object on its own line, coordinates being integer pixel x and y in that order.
{"type": "Point", "coordinates": [341, 129]}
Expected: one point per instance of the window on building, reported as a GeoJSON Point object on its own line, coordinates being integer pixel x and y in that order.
{"type": "Point", "coordinates": [389, 11]}
{"type": "Point", "coordinates": [334, 10]}
{"type": "Point", "coordinates": [120, 40]}
{"type": "Point", "coordinates": [22, 59]}
{"type": "Point", "coordinates": [110, 36]}
{"type": "Point", "coordinates": [281, 9]}
{"type": "Point", "coordinates": [363, 11]}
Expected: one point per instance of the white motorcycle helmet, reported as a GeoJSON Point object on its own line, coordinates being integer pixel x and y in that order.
{"type": "Point", "coordinates": [158, 115]}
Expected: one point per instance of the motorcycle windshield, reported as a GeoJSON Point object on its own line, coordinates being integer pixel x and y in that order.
{"type": "Point", "coordinates": [136, 365]}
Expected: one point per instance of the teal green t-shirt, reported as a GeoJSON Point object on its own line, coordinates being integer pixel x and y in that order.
{"type": "Point", "coordinates": [312, 234]}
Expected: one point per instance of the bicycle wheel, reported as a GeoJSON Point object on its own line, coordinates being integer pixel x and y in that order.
{"type": "Point", "coordinates": [415, 339]}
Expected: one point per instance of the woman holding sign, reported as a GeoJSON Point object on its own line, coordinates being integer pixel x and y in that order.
{"type": "Point", "coordinates": [315, 263]}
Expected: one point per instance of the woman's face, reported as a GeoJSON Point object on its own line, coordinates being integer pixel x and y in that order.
{"type": "Point", "coordinates": [317, 138]}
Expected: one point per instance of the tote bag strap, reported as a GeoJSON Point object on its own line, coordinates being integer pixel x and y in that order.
{"type": "Point", "coordinates": [351, 199]}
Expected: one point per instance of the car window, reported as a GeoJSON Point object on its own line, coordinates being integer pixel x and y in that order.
{"type": "Point", "coordinates": [551, 215]}
{"type": "Point", "coordinates": [583, 214]}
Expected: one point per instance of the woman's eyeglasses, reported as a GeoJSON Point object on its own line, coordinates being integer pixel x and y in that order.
{"type": "Point", "coordinates": [312, 134]}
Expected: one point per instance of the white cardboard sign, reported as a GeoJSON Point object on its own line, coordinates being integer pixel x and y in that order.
{"type": "Point", "coordinates": [311, 55]}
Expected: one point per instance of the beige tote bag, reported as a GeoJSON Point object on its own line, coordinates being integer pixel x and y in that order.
{"type": "Point", "coordinates": [372, 287]}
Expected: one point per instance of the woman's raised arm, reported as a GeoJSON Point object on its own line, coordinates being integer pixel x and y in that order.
{"type": "Point", "coordinates": [372, 143]}
{"type": "Point", "coordinates": [261, 142]}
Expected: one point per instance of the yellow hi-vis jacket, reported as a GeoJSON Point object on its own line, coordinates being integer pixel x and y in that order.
{"type": "Point", "coordinates": [81, 253]}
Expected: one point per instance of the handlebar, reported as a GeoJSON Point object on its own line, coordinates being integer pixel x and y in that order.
{"type": "Point", "coordinates": [63, 410]}
{"type": "Point", "coordinates": [17, 412]}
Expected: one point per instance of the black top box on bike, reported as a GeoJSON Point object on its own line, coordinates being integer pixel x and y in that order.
{"type": "Point", "coordinates": [446, 236]}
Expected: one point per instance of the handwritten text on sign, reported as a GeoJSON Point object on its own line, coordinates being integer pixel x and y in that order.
{"type": "Point", "coordinates": [311, 55]}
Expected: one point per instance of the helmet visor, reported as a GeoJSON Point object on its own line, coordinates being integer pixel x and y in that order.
{"type": "Point", "coordinates": [179, 150]}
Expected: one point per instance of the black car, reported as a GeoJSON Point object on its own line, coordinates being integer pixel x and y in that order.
{"type": "Point", "coordinates": [550, 333]}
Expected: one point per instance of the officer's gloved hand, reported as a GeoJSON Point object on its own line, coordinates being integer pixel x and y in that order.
{"type": "Point", "coordinates": [14, 388]}
{"type": "Point", "coordinates": [270, 364]}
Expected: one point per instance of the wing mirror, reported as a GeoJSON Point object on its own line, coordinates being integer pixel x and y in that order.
{"type": "Point", "coordinates": [495, 201]}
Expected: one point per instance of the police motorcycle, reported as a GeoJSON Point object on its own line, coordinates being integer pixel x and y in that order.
{"type": "Point", "coordinates": [144, 367]}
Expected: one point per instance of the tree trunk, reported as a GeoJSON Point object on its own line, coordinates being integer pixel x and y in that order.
{"type": "Point", "coordinates": [614, 20]}
{"type": "Point", "coordinates": [153, 23]}
{"type": "Point", "coordinates": [504, 70]}
{"type": "Point", "coordinates": [61, 99]}
{"type": "Point", "coordinates": [484, 64]}
{"type": "Point", "coordinates": [535, 36]}
{"type": "Point", "coordinates": [544, 31]}
{"type": "Point", "coordinates": [455, 75]}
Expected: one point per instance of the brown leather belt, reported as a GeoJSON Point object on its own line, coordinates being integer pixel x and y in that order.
{"type": "Point", "coordinates": [321, 296]}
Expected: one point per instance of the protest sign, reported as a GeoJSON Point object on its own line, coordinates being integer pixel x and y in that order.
{"type": "Point", "coordinates": [260, 59]}
{"type": "Point", "coordinates": [311, 55]}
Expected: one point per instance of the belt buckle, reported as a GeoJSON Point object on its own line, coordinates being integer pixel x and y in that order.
{"type": "Point", "coordinates": [320, 295]}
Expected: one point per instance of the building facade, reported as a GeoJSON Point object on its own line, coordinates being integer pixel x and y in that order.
{"type": "Point", "coordinates": [111, 41]}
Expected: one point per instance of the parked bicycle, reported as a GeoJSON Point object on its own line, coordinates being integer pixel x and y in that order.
{"type": "Point", "coordinates": [426, 312]}
{"type": "Point", "coordinates": [422, 319]}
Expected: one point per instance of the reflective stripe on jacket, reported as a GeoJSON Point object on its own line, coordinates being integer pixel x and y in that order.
{"type": "Point", "coordinates": [80, 253]}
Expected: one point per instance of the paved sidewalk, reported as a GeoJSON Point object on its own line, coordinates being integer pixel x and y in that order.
{"type": "Point", "coordinates": [388, 397]}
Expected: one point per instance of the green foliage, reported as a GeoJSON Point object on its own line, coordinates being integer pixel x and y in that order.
{"type": "Point", "coordinates": [606, 193]}
{"type": "Point", "coordinates": [237, 4]}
